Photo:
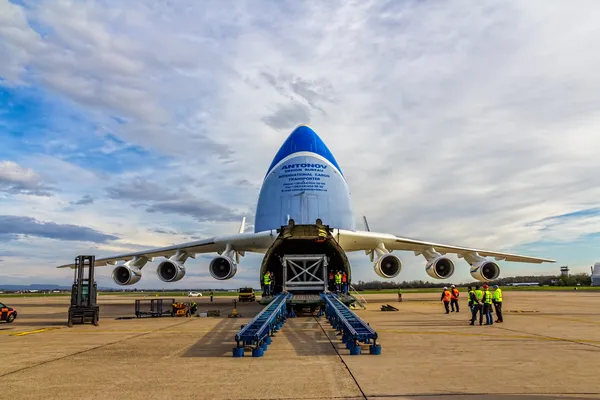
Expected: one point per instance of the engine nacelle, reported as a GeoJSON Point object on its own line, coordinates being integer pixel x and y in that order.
{"type": "Point", "coordinates": [170, 271]}
{"type": "Point", "coordinates": [222, 268]}
{"type": "Point", "coordinates": [440, 268]}
{"type": "Point", "coordinates": [485, 270]}
{"type": "Point", "coordinates": [126, 275]}
{"type": "Point", "coordinates": [388, 266]}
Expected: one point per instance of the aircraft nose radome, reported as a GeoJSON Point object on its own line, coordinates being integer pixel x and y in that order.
{"type": "Point", "coordinates": [303, 138]}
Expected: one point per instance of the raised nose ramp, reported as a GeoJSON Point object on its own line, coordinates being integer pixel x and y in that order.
{"type": "Point", "coordinates": [353, 329]}
{"type": "Point", "coordinates": [258, 331]}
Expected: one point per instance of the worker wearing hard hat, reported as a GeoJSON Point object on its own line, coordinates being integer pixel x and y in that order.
{"type": "Point", "coordinates": [446, 297]}
{"type": "Point", "coordinates": [454, 298]}
{"type": "Point", "coordinates": [497, 300]}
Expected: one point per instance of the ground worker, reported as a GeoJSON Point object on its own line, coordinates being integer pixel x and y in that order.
{"type": "Point", "coordinates": [497, 300]}
{"type": "Point", "coordinates": [338, 281]}
{"type": "Point", "coordinates": [487, 305]}
{"type": "Point", "coordinates": [399, 294]}
{"type": "Point", "coordinates": [272, 283]}
{"type": "Point", "coordinates": [470, 298]}
{"type": "Point", "coordinates": [454, 298]}
{"type": "Point", "coordinates": [193, 308]}
{"type": "Point", "coordinates": [446, 297]}
{"type": "Point", "coordinates": [477, 305]}
{"type": "Point", "coordinates": [344, 282]}
{"type": "Point", "coordinates": [267, 284]}
{"type": "Point", "coordinates": [331, 282]}
{"type": "Point", "coordinates": [211, 296]}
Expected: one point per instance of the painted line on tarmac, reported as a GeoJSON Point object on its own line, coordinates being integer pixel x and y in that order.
{"type": "Point", "coordinates": [88, 350]}
{"type": "Point", "coordinates": [491, 335]}
{"type": "Point", "coordinates": [566, 319]}
{"type": "Point", "coordinates": [584, 342]}
{"type": "Point", "coordinates": [23, 333]}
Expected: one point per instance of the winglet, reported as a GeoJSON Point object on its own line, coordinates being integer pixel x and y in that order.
{"type": "Point", "coordinates": [243, 225]}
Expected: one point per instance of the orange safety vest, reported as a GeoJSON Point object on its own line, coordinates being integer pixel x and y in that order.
{"type": "Point", "coordinates": [447, 296]}
{"type": "Point", "coordinates": [455, 294]}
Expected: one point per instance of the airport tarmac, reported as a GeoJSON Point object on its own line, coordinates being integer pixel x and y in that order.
{"type": "Point", "coordinates": [548, 347]}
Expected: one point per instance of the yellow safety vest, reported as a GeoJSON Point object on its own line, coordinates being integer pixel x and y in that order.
{"type": "Point", "coordinates": [479, 295]}
{"type": "Point", "coordinates": [338, 278]}
{"type": "Point", "coordinates": [488, 297]}
{"type": "Point", "coordinates": [267, 279]}
{"type": "Point", "coordinates": [498, 295]}
{"type": "Point", "coordinates": [470, 293]}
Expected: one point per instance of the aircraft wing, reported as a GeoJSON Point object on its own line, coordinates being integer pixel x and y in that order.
{"type": "Point", "coordinates": [368, 241]}
{"type": "Point", "coordinates": [240, 243]}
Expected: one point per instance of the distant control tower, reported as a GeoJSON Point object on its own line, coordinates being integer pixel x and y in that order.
{"type": "Point", "coordinates": [564, 271]}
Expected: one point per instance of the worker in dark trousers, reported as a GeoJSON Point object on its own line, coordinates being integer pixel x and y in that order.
{"type": "Point", "coordinates": [331, 282]}
{"type": "Point", "coordinates": [477, 305]}
{"type": "Point", "coordinates": [344, 283]}
{"type": "Point", "coordinates": [446, 297]}
{"type": "Point", "coordinates": [497, 300]}
{"type": "Point", "coordinates": [338, 281]}
{"type": "Point", "coordinates": [211, 296]}
{"type": "Point", "coordinates": [470, 297]}
{"type": "Point", "coordinates": [487, 305]}
{"type": "Point", "coordinates": [267, 284]}
{"type": "Point", "coordinates": [454, 298]}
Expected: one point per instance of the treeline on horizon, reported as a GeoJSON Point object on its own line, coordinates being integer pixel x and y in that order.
{"type": "Point", "coordinates": [547, 280]}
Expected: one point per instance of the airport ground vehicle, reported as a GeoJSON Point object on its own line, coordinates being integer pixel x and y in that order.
{"type": "Point", "coordinates": [7, 313]}
{"type": "Point", "coordinates": [246, 294]}
{"type": "Point", "coordinates": [194, 294]}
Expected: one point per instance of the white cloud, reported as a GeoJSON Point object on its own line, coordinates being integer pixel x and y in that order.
{"type": "Point", "coordinates": [456, 122]}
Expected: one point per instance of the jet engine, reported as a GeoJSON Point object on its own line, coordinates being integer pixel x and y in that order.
{"type": "Point", "coordinates": [485, 270]}
{"type": "Point", "coordinates": [222, 268]}
{"type": "Point", "coordinates": [388, 266]}
{"type": "Point", "coordinates": [170, 271]}
{"type": "Point", "coordinates": [440, 268]}
{"type": "Point", "coordinates": [126, 275]}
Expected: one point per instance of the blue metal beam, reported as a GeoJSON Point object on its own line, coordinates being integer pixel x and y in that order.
{"type": "Point", "coordinates": [353, 329]}
{"type": "Point", "coordinates": [257, 332]}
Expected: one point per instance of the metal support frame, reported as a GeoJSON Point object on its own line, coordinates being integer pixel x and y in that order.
{"type": "Point", "coordinates": [304, 272]}
{"type": "Point", "coordinates": [353, 329]}
{"type": "Point", "coordinates": [259, 330]}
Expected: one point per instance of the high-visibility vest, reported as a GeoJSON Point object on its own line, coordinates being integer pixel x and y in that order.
{"type": "Point", "coordinates": [344, 278]}
{"type": "Point", "coordinates": [455, 293]}
{"type": "Point", "coordinates": [447, 295]}
{"type": "Point", "coordinates": [338, 278]}
{"type": "Point", "coordinates": [479, 295]}
{"type": "Point", "coordinates": [267, 279]}
{"type": "Point", "coordinates": [498, 295]}
{"type": "Point", "coordinates": [488, 297]}
{"type": "Point", "coordinates": [471, 292]}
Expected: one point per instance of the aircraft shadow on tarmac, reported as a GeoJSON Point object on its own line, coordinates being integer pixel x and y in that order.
{"type": "Point", "coordinates": [218, 342]}
{"type": "Point", "coordinates": [306, 336]}
{"type": "Point", "coordinates": [42, 323]}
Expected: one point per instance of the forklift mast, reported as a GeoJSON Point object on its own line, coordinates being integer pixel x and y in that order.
{"type": "Point", "coordinates": [84, 293]}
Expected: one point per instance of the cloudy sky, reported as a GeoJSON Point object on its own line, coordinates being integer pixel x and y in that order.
{"type": "Point", "coordinates": [127, 126]}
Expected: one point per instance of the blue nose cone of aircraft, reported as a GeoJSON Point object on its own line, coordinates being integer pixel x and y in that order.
{"type": "Point", "coordinates": [303, 139]}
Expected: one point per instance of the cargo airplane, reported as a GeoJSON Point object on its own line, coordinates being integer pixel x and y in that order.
{"type": "Point", "coordinates": [304, 226]}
